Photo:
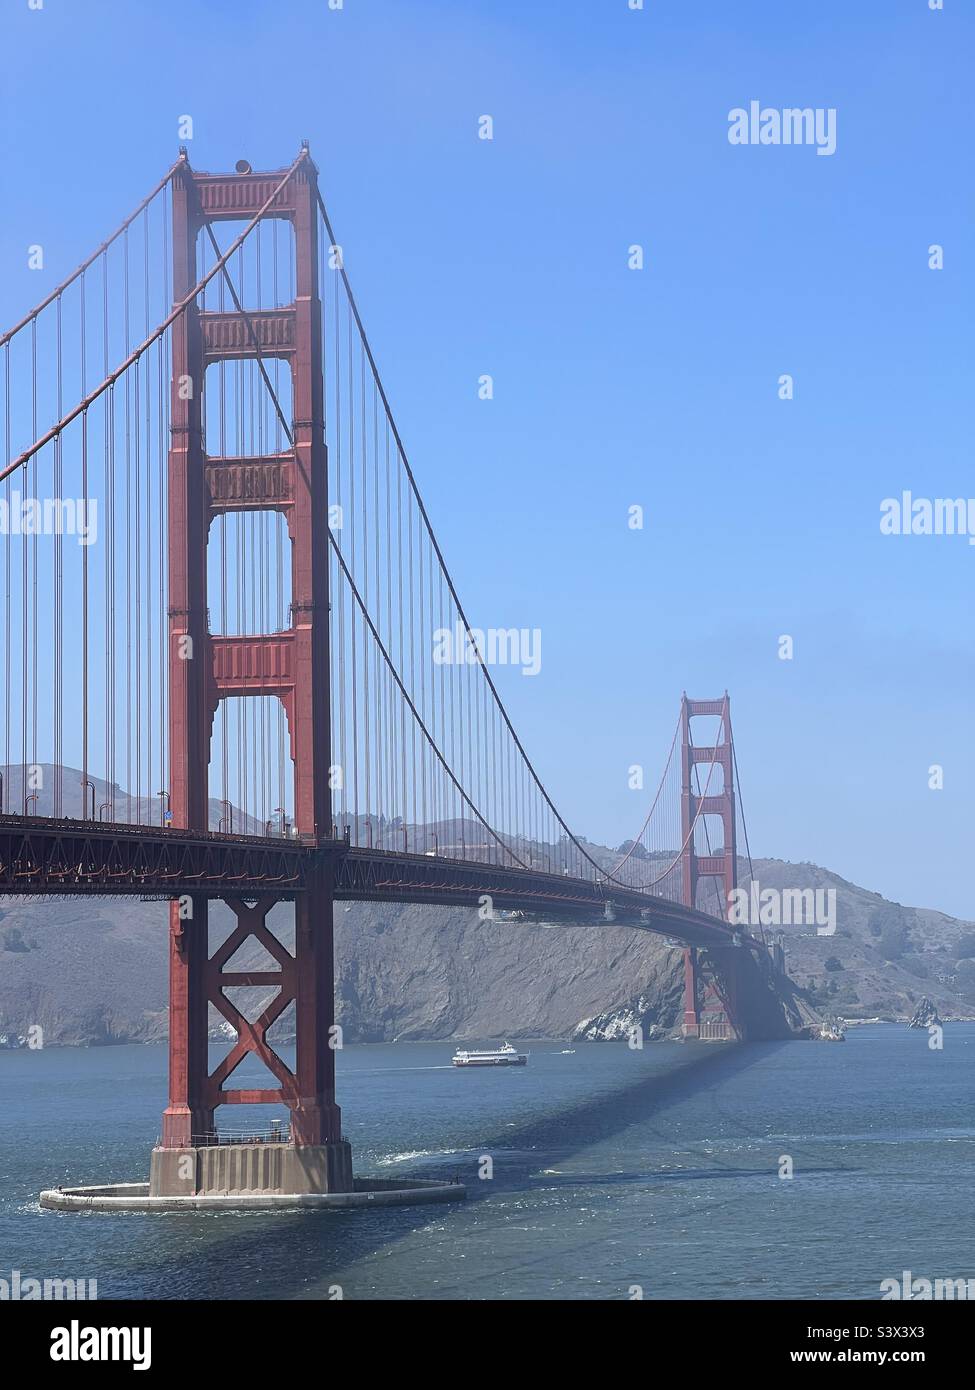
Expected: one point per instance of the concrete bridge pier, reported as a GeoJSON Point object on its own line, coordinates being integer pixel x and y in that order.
{"type": "Point", "coordinates": [712, 1009]}
{"type": "Point", "coordinates": [691, 1026]}
{"type": "Point", "coordinates": [313, 1157]}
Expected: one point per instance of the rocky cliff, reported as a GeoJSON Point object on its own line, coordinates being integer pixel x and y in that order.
{"type": "Point", "coordinates": [94, 971]}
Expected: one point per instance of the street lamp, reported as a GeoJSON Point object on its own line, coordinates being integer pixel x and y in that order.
{"type": "Point", "coordinates": [165, 815]}
{"type": "Point", "coordinates": [86, 784]}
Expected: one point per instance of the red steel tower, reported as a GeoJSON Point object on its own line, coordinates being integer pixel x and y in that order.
{"type": "Point", "coordinates": [711, 793]}
{"type": "Point", "coordinates": [205, 669]}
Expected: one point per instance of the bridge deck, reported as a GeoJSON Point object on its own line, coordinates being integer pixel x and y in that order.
{"type": "Point", "coordinates": [44, 857]}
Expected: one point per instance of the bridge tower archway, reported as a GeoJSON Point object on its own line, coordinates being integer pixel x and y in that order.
{"type": "Point", "coordinates": [292, 665]}
{"type": "Point", "coordinates": [708, 870]}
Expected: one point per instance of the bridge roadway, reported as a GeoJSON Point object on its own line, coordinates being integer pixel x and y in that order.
{"type": "Point", "coordinates": [43, 856]}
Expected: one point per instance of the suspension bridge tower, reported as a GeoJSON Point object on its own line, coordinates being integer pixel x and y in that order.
{"type": "Point", "coordinates": [205, 669]}
{"type": "Point", "coordinates": [711, 1007]}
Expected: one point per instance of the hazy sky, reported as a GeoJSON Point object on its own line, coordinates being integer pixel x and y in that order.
{"type": "Point", "coordinates": [616, 387]}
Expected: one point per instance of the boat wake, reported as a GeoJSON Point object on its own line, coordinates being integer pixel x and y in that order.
{"type": "Point", "coordinates": [417, 1153]}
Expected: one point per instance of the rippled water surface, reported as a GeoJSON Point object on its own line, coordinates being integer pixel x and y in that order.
{"type": "Point", "coordinates": [611, 1168]}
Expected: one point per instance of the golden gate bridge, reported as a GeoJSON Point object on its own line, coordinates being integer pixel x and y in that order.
{"type": "Point", "coordinates": [221, 588]}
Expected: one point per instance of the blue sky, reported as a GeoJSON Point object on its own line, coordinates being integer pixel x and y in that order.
{"type": "Point", "coordinates": [615, 387]}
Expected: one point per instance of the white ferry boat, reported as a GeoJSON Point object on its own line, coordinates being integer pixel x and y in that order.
{"type": "Point", "coordinates": [504, 1056]}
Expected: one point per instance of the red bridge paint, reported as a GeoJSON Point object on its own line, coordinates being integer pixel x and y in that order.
{"type": "Point", "coordinates": [291, 665]}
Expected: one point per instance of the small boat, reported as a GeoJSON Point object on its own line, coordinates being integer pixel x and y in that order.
{"type": "Point", "coordinates": [504, 1056]}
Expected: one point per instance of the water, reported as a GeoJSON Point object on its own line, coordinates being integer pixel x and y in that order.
{"type": "Point", "coordinates": [612, 1168]}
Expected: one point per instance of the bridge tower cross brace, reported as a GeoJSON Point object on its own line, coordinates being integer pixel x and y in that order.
{"type": "Point", "coordinates": [292, 665]}
{"type": "Point", "coordinates": [722, 865]}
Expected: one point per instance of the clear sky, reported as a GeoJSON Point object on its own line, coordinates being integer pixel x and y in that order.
{"type": "Point", "coordinates": [616, 387]}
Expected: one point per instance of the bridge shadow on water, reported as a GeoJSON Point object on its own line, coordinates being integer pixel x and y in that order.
{"type": "Point", "coordinates": [299, 1254]}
